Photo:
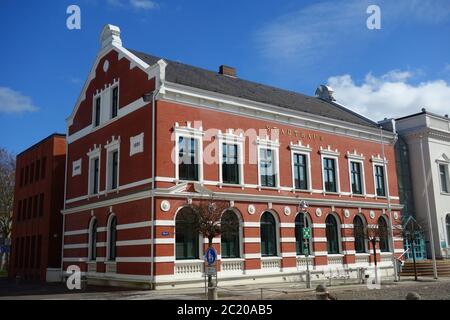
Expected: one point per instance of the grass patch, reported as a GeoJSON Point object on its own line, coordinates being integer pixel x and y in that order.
{"type": "Point", "coordinates": [3, 273]}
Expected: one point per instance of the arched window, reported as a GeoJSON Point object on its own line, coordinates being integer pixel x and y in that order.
{"type": "Point", "coordinates": [447, 222]}
{"type": "Point", "coordinates": [359, 234]}
{"type": "Point", "coordinates": [383, 234]}
{"type": "Point", "coordinates": [230, 245]}
{"type": "Point", "coordinates": [186, 235]}
{"type": "Point", "coordinates": [268, 235]}
{"type": "Point", "coordinates": [93, 240]}
{"type": "Point", "coordinates": [299, 241]}
{"type": "Point", "coordinates": [112, 238]}
{"type": "Point", "coordinates": [332, 234]}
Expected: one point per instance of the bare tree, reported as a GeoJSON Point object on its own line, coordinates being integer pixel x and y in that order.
{"type": "Point", "coordinates": [373, 233]}
{"type": "Point", "coordinates": [208, 222]}
{"type": "Point", "coordinates": [413, 230]}
{"type": "Point", "coordinates": [7, 179]}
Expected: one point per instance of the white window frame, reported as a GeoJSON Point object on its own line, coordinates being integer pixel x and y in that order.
{"type": "Point", "coordinates": [274, 146]}
{"type": "Point", "coordinates": [330, 154]}
{"type": "Point", "coordinates": [447, 175]}
{"type": "Point", "coordinates": [94, 103]}
{"type": "Point", "coordinates": [93, 154]}
{"type": "Point", "coordinates": [193, 133]}
{"type": "Point", "coordinates": [108, 237]}
{"type": "Point", "coordinates": [277, 234]}
{"type": "Point", "coordinates": [112, 146]}
{"type": "Point", "coordinates": [359, 159]}
{"type": "Point", "coordinates": [339, 233]}
{"type": "Point", "coordinates": [378, 161]}
{"type": "Point", "coordinates": [115, 85]}
{"type": "Point", "coordinates": [231, 139]}
{"type": "Point", "coordinates": [93, 219]}
{"type": "Point", "coordinates": [306, 151]}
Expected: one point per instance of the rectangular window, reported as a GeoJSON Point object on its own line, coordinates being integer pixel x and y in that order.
{"type": "Point", "coordinates": [38, 252]}
{"type": "Point", "coordinates": [41, 205]}
{"type": "Point", "coordinates": [26, 174]}
{"type": "Point", "coordinates": [266, 167]}
{"type": "Point", "coordinates": [300, 173]}
{"type": "Point", "coordinates": [329, 174]}
{"type": "Point", "coordinates": [16, 249]}
{"type": "Point", "coordinates": [115, 102]}
{"type": "Point", "coordinates": [97, 112]}
{"type": "Point", "coordinates": [356, 177]}
{"type": "Point", "coordinates": [43, 167]}
{"type": "Point", "coordinates": [33, 252]}
{"type": "Point", "coordinates": [19, 210]}
{"type": "Point", "coordinates": [35, 206]}
{"type": "Point", "coordinates": [21, 177]}
{"type": "Point", "coordinates": [27, 252]}
{"type": "Point", "coordinates": [22, 252]}
{"type": "Point", "coordinates": [94, 172]}
{"type": "Point", "coordinates": [379, 180]}
{"type": "Point", "coordinates": [113, 169]}
{"type": "Point", "coordinates": [38, 170]}
{"type": "Point", "coordinates": [30, 207]}
{"type": "Point", "coordinates": [230, 167]}
{"type": "Point", "coordinates": [443, 173]}
{"type": "Point", "coordinates": [23, 213]}
{"type": "Point", "coordinates": [32, 173]}
{"type": "Point", "coordinates": [188, 159]}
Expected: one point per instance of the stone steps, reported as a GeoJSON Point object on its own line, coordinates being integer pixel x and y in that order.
{"type": "Point", "coordinates": [425, 268]}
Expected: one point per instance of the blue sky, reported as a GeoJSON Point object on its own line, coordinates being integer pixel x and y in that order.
{"type": "Point", "coordinates": [296, 45]}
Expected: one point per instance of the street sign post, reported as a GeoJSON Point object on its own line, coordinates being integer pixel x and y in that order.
{"type": "Point", "coordinates": [306, 233]}
{"type": "Point", "coordinates": [211, 256]}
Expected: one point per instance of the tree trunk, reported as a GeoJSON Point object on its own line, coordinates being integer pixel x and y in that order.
{"type": "Point", "coordinates": [375, 259]}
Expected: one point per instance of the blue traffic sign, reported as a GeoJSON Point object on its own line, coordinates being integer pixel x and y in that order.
{"type": "Point", "coordinates": [4, 249]}
{"type": "Point", "coordinates": [211, 256]}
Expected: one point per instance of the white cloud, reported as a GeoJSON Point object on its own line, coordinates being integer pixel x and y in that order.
{"type": "Point", "coordinates": [136, 4]}
{"type": "Point", "coordinates": [14, 102]}
{"type": "Point", "coordinates": [143, 4]}
{"type": "Point", "coordinates": [321, 29]}
{"type": "Point", "coordinates": [390, 95]}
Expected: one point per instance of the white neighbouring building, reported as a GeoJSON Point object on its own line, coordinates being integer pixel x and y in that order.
{"type": "Point", "coordinates": [428, 138]}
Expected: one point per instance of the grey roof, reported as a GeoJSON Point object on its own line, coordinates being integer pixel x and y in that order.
{"type": "Point", "coordinates": [184, 74]}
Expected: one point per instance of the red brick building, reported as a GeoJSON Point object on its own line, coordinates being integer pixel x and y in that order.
{"type": "Point", "coordinates": [149, 136]}
{"type": "Point", "coordinates": [37, 220]}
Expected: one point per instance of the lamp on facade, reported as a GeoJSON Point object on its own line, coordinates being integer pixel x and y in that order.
{"type": "Point", "coordinates": [147, 97]}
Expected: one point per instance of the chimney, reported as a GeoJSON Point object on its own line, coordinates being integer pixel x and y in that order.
{"type": "Point", "coordinates": [227, 71]}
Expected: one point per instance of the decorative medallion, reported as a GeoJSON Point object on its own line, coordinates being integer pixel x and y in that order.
{"type": "Point", "coordinates": [165, 205]}
{"type": "Point", "coordinates": [251, 209]}
{"type": "Point", "coordinates": [318, 212]}
{"type": "Point", "coordinates": [105, 65]}
{"type": "Point", "coordinates": [395, 215]}
{"type": "Point", "coordinates": [346, 213]}
{"type": "Point", "coordinates": [287, 211]}
{"type": "Point", "coordinates": [372, 214]}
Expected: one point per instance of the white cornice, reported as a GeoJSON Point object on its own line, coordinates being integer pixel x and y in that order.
{"type": "Point", "coordinates": [299, 147]}
{"type": "Point", "coordinates": [199, 98]}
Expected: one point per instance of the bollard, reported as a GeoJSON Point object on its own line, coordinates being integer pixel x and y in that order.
{"type": "Point", "coordinates": [212, 293]}
{"type": "Point", "coordinates": [413, 296]}
{"type": "Point", "coordinates": [18, 279]}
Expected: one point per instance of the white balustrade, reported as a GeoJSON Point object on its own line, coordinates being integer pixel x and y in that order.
{"type": "Point", "coordinates": [92, 266]}
{"type": "Point", "coordinates": [302, 261]}
{"type": "Point", "coordinates": [271, 263]}
{"type": "Point", "coordinates": [189, 267]}
{"type": "Point", "coordinates": [111, 267]}
{"type": "Point", "coordinates": [335, 260]}
{"type": "Point", "coordinates": [362, 258]}
{"type": "Point", "coordinates": [232, 265]}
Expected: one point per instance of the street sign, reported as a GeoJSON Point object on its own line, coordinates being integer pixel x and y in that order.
{"type": "Point", "coordinates": [210, 271]}
{"type": "Point", "coordinates": [4, 249]}
{"type": "Point", "coordinates": [306, 233]}
{"type": "Point", "coordinates": [211, 256]}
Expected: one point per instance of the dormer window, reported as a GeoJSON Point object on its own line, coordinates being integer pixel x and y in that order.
{"type": "Point", "coordinates": [114, 102]}
{"type": "Point", "coordinates": [97, 111]}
